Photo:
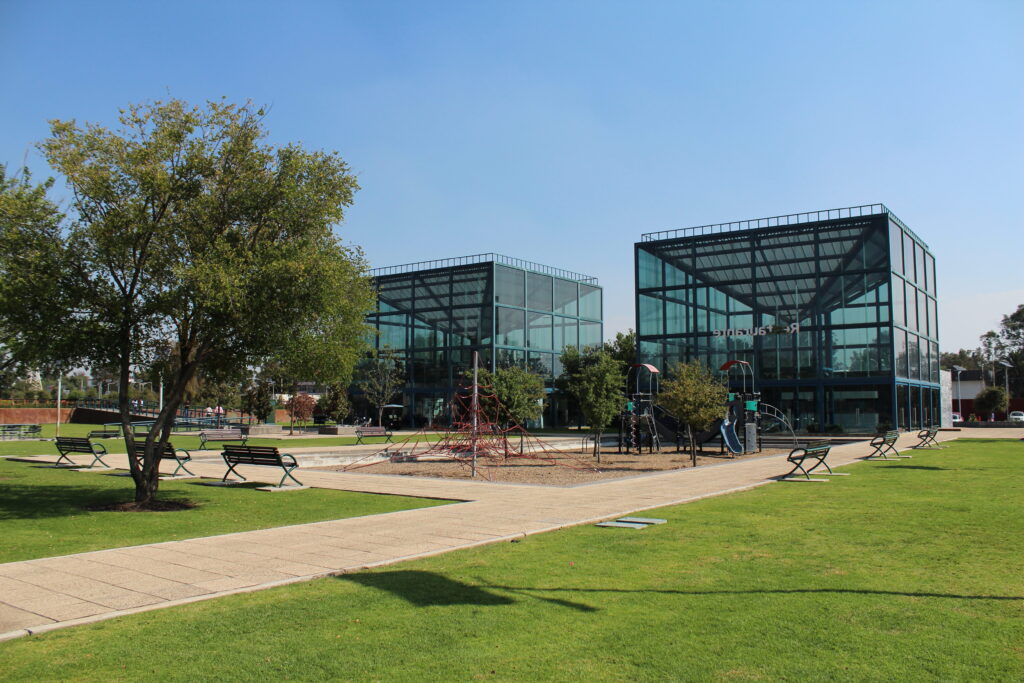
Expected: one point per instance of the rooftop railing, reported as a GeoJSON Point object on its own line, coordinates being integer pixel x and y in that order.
{"type": "Point", "coordinates": [483, 258]}
{"type": "Point", "coordinates": [781, 221]}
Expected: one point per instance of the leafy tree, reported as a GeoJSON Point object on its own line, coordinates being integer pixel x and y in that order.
{"type": "Point", "coordinates": [381, 377]}
{"type": "Point", "coordinates": [694, 396]}
{"type": "Point", "coordinates": [594, 379]}
{"type": "Point", "coordinates": [258, 400]}
{"type": "Point", "coordinates": [300, 408]}
{"type": "Point", "coordinates": [968, 360]}
{"type": "Point", "coordinates": [623, 347]}
{"type": "Point", "coordinates": [991, 400]}
{"type": "Point", "coordinates": [334, 403]}
{"type": "Point", "coordinates": [184, 228]}
{"type": "Point", "coordinates": [519, 391]}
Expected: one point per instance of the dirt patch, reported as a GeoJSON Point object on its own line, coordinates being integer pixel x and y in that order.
{"type": "Point", "coordinates": [564, 468]}
{"type": "Point", "coordinates": [151, 506]}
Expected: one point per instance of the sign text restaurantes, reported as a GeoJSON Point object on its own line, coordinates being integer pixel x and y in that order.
{"type": "Point", "coordinates": [764, 330]}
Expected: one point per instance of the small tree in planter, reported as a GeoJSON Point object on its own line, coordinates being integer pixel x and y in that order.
{"type": "Point", "coordinates": [257, 401]}
{"type": "Point", "coordinates": [334, 404]}
{"type": "Point", "coordinates": [300, 408]}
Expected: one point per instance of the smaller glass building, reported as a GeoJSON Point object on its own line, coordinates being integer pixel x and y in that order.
{"type": "Point", "coordinates": [834, 310]}
{"type": "Point", "coordinates": [510, 311]}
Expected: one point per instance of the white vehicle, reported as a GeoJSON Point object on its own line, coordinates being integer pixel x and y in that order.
{"type": "Point", "coordinates": [957, 418]}
{"type": "Point", "coordinates": [1016, 416]}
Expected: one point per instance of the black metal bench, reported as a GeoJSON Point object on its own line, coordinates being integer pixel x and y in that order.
{"type": "Point", "coordinates": [259, 455]}
{"type": "Point", "coordinates": [814, 454]}
{"type": "Point", "coordinates": [927, 438]}
{"type": "Point", "coordinates": [221, 435]}
{"type": "Point", "coordinates": [885, 445]}
{"type": "Point", "coordinates": [178, 455]}
{"type": "Point", "coordinates": [372, 431]}
{"type": "Point", "coordinates": [68, 444]}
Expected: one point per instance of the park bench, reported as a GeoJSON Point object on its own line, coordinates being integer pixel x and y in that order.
{"type": "Point", "coordinates": [927, 438]}
{"type": "Point", "coordinates": [221, 435]}
{"type": "Point", "coordinates": [104, 434]}
{"type": "Point", "coordinates": [178, 455]}
{"type": "Point", "coordinates": [812, 454]}
{"type": "Point", "coordinates": [372, 431]}
{"type": "Point", "coordinates": [20, 431]}
{"type": "Point", "coordinates": [885, 444]}
{"type": "Point", "coordinates": [66, 444]}
{"type": "Point", "coordinates": [259, 455]}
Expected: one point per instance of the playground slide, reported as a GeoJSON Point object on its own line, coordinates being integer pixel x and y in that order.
{"type": "Point", "coordinates": [732, 442]}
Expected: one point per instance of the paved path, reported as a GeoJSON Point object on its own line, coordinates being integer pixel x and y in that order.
{"type": "Point", "coordinates": [41, 595]}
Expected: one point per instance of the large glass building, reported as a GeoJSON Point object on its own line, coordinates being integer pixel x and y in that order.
{"type": "Point", "coordinates": [834, 310]}
{"type": "Point", "coordinates": [512, 312]}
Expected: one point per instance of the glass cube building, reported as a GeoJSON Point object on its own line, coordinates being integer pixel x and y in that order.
{"type": "Point", "coordinates": [512, 312]}
{"type": "Point", "coordinates": [834, 310]}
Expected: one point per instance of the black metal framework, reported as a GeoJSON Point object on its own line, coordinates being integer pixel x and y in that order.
{"type": "Point", "coordinates": [819, 303]}
{"type": "Point", "coordinates": [510, 311]}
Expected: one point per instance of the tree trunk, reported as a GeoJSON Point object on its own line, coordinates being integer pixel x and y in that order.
{"type": "Point", "coordinates": [693, 446]}
{"type": "Point", "coordinates": [597, 446]}
{"type": "Point", "coordinates": [380, 416]}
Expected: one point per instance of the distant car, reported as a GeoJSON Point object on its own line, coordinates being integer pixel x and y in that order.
{"type": "Point", "coordinates": [1017, 416]}
{"type": "Point", "coordinates": [957, 418]}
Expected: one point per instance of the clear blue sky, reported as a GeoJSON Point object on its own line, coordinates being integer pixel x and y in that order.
{"type": "Point", "coordinates": [560, 131]}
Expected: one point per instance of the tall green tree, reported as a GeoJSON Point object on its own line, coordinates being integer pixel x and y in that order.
{"type": "Point", "coordinates": [185, 227]}
{"type": "Point", "coordinates": [991, 400]}
{"type": "Point", "coordinates": [695, 396]}
{"type": "Point", "coordinates": [594, 379]}
{"type": "Point", "coordinates": [381, 377]}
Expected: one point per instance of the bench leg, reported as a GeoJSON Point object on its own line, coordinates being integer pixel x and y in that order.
{"type": "Point", "coordinates": [63, 456]}
{"type": "Point", "coordinates": [181, 466]}
{"type": "Point", "coordinates": [287, 475]}
{"type": "Point", "coordinates": [231, 468]}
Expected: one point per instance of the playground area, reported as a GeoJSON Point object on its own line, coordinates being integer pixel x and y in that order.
{"type": "Point", "coordinates": [561, 468]}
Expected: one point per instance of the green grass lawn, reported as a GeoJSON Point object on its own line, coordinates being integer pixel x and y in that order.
{"type": "Point", "coordinates": [44, 512]}
{"type": "Point", "coordinates": [37, 447]}
{"type": "Point", "coordinates": [908, 570]}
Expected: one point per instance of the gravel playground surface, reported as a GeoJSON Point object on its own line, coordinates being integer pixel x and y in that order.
{"type": "Point", "coordinates": [561, 468]}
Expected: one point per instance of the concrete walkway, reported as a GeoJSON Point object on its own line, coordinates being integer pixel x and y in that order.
{"type": "Point", "coordinates": [45, 594]}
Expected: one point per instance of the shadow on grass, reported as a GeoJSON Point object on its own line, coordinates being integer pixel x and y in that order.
{"type": "Point", "coordinates": [38, 502]}
{"type": "Point", "coordinates": [913, 467]}
{"type": "Point", "coordinates": [777, 591]}
{"type": "Point", "coordinates": [425, 589]}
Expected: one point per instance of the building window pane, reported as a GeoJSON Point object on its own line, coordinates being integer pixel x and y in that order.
{"type": "Point", "coordinates": [900, 342]}
{"type": "Point", "coordinates": [540, 331]}
{"type": "Point", "coordinates": [511, 327]}
{"type": "Point", "coordinates": [650, 269]}
{"type": "Point", "coordinates": [590, 334]}
{"type": "Point", "coordinates": [538, 291]}
{"type": "Point", "coordinates": [908, 258]}
{"type": "Point", "coordinates": [566, 333]}
{"type": "Point", "coordinates": [651, 321]}
{"type": "Point", "coordinates": [509, 286]}
{"type": "Point", "coordinates": [590, 302]}
{"type": "Point", "coordinates": [565, 297]}
{"type": "Point", "coordinates": [896, 248]}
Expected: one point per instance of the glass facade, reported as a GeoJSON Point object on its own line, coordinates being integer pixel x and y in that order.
{"type": "Point", "coordinates": [834, 310]}
{"type": "Point", "coordinates": [511, 312]}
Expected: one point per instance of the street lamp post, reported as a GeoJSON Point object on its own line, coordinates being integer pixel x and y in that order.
{"type": "Point", "coordinates": [958, 371]}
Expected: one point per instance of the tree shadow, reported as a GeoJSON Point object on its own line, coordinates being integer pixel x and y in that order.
{"type": "Point", "coordinates": [19, 501]}
{"type": "Point", "coordinates": [912, 467]}
{"type": "Point", "coordinates": [776, 591]}
{"type": "Point", "coordinates": [425, 589]}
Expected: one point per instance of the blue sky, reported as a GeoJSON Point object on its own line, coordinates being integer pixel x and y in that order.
{"type": "Point", "coordinates": [561, 131]}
